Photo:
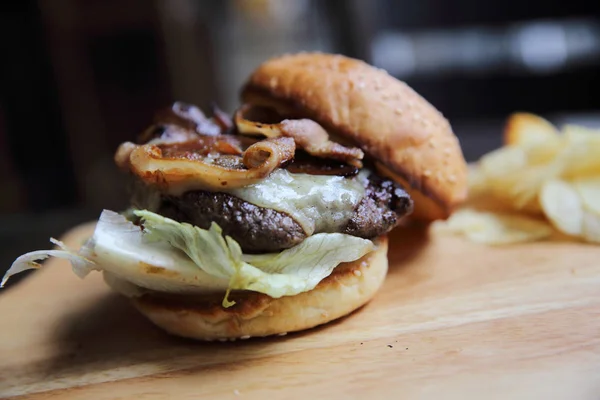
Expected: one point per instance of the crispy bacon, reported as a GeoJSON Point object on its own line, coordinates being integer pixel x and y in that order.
{"type": "Point", "coordinates": [201, 146]}
{"type": "Point", "coordinates": [307, 134]}
{"type": "Point", "coordinates": [306, 164]}
{"type": "Point", "coordinates": [185, 150]}
{"type": "Point", "coordinates": [209, 163]}
{"type": "Point", "coordinates": [310, 136]}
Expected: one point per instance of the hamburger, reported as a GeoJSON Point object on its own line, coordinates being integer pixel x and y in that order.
{"type": "Point", "coordinates": [273, 219]}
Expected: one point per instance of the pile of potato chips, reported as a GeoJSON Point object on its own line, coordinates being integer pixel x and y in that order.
{"type": "Point", "coordinates": [542, 183]}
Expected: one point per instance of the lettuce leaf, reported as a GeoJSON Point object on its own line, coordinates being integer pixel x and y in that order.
{"type": "Point", "coordinates": [290, 272]}
{"type": "Point", "coordinates": [200, 259]}
{"type": "Point", "coordinates": [81, 265]}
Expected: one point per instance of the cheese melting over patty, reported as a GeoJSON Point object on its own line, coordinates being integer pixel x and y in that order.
{"type": "Point", "coordinates": [319, 203]}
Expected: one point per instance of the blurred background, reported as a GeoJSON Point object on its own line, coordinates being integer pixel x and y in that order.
{"type": "Point", "coordinates": [81, 76]}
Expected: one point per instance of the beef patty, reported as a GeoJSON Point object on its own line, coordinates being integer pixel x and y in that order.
{"type": "Point", "coordinates": [259, 229]}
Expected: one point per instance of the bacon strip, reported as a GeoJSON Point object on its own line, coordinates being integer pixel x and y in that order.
{"type": "Point", "coordinates": [310, 136]}
{"type": "Point", "coordinates": [209, 163]}
{"type": "Point", "coordinates": [307, 134]}
{"type": "Point", "coordinates": [186, 151]}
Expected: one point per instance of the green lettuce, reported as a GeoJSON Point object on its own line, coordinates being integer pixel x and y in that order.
{"type": "Point", "coordinates": [198, 259]}
{"type": "Point", "coordinates": [290, 272]}
{"type": "Point", "coordinates": [81, 265]}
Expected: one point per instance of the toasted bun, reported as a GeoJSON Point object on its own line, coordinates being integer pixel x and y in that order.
{"type": "Point", "coordinates": [373, 110]}
{"type": "Point", "coordinates": [350, 286]}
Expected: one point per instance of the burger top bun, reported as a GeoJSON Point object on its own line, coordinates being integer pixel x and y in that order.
{"type": "Point", "coordinates": [409, 139]}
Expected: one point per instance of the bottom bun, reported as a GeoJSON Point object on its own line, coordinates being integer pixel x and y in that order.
{"type": "Point", "coordinates": [350, 286]}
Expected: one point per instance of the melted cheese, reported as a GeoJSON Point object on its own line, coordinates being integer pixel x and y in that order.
{"type": "Point", "coordinates": [319, 203]}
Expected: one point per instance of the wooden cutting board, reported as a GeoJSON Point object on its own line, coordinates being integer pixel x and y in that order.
{"type": "Point", "coordinates": [455, 320]}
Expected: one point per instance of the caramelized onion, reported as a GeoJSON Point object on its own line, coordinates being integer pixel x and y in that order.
{"type": "Point", "coordinates": [276, 151]}
{"type": "Point", "coordinates": [252, 128]}
{"type": "Point", "coordinates": [188, 117]}
{"type": "Point", "coordinates": [307, 134]}
{"type": "Point", "coordinates": [123, 153]}
{"type": "Point", "coordinates": [180, 167]}
{"type": "Point", "coordinates": [202, 146]}
{"type": "Point", "coordinates": [185, 150]}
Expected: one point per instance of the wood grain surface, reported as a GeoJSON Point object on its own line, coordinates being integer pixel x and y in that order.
{"type": "Point", "coordinates": [455, 320]}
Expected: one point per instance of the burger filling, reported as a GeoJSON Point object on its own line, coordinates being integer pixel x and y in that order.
{"type": "Point", "coordinates": [284, 209]}
{"type": "Point", "coordinates": [271, 206]}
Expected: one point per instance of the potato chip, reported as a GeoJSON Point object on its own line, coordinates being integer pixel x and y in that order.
{"type": "Point", "coordinates": [591, 227]}
{"type": "Point", "coordinates": [563, 207]}
{"type": "Point", "coordinates": [581, 133]}
{"type": "Point", "coordinates": [480, 193]}
{"type": "Point", "coordinates": [540, 172]}
{"type": "Point", "coordinates": [503, 161]}
{"type": "Point", "coordinates": [494, 228]}
{"type": "Point", "coordinates": [476, 180]}
{"type": "Point", "coordinates": [539, 139]}
{"type": "Point", "coordinates": [525, 130]}
{"type": "Point", "coordinates": [518, 188]}
{"type": "Point", "coordinates": [581, 154]}
{"type": "Point", "coordinates": [516, 173]}
{"type": "Point", "coordinates": [545, 152]}
{"type": "Point", "coordinates": [527, 185]}
{"type": "Point", "coordinates": [589, 191]}
{"type": "Point", "coordinates": [500, 169]}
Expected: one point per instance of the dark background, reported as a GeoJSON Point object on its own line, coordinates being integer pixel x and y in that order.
{"type": "Point", "coordinates": [81, 76]}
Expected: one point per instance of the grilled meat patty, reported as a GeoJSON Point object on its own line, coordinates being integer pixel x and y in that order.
{"type": "Point", "coordinates": [259, 229]}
